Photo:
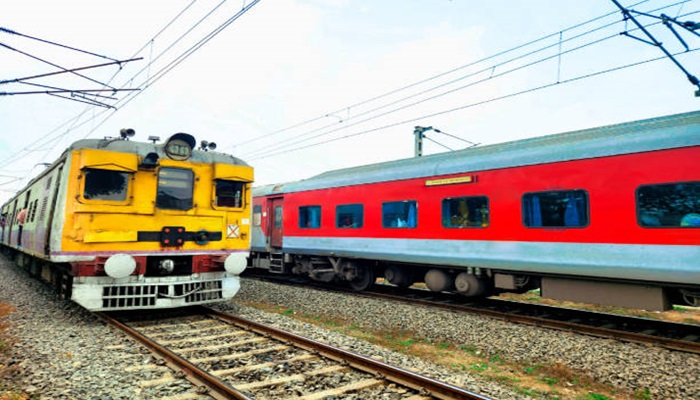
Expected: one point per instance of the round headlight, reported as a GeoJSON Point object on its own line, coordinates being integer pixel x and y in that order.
{"type": "Point", "coordinates": [235, 263]}
{"type": "Point", "coordinates": [120, 265]}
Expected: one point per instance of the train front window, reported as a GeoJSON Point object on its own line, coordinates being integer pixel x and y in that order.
{"type": "Point", "coordinates": [229, 193]}
{"type": "Point", "coordinates": [465, 212]}
{"type": "Point", "coordinates": [669, 205]}
{"type": "Point", "coordinates": [349, 216]}
{"type": "Point", "coordinates": [558, 209]}
{"type": "Point", "coordinates": [310, 217]}
{"type": "Point", "coordinates": [102, 184]}
{"type": "Point", "coordinates": [175, 187]}
{"type": "Point", "coordinates": [400, 214]}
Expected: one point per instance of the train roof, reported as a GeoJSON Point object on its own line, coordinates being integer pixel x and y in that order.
{"type": "Point", "coordinates": [138, 148]}
{"type": "Point", "coordinates": [143, 148]}
{"type": "Point", "coordinates": [680, 130]}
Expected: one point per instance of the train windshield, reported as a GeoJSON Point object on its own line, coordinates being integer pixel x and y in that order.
{"type": "Point", "coordinates": [175, 189]}
{"type": "Point", "coordinates": [101, 184]}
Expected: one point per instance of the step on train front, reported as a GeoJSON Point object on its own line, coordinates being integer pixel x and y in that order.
{"type": "Point", "coordinates": [116, 224]}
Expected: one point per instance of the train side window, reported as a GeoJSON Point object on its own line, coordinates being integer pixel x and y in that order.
{"type": "Point", "coordinates": [34, 206]}
{"type": "Point", "coordinates": [310, 217]}
{"type": "Point", "coordinates": [175, 187]}
{"type": "Point", "coordinates": [102, 184]}
{"type": "Point", "coordinates": [349, 216]}
{"type": "Point", "coordinates": [669, 205]}
{"type": "Point", "coordinates": [228, 193]}
{"type": "Point", "coordinates": [465, 212]}
{"type": "Point", "coordinates": [400, 214]}
{"type": "Point", "coordinates": [257, 215]}
{"type": "Point", "coordinates": [562, 209]}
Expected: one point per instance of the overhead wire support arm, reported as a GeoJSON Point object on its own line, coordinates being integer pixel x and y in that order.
{"type": "Point", "coordinates": [67, 91]}
{"type": "Point", "coordinates": [26, 78]}
{"type": "Point", "coordinates": [53, 65]}
{"type": "Point", "coordinates": [652, 40]}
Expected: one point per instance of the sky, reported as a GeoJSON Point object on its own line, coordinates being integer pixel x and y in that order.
{"type": "Point", "coordinates": [299, 87]}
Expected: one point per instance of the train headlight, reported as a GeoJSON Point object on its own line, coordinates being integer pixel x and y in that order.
{"type": "Point", "coordinates": [235, 263]}
{"type": "Point", "coordinates": [166, 266]}
{"type": "Point", "coordinates": [120, 265]}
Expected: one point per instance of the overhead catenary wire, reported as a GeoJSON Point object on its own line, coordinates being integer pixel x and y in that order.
{"type": "Point", "coordinates": [437, 76]}
{"type": "Point", "coordinates": [346, 123]}
{"type": "Point", "coordinates": [74, 123]}
{"type": "Point", "coordinates": [56, 44]}
{"type": "Point", "coordinates": [459, 108]}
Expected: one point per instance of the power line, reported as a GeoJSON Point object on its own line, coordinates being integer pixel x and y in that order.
{"type": "Point", "coordinates": [309, 135]}
{"type": "Point", "coordinates": [74, 122]}
{"type": "Point", "coordinates": [459, 108]}
{"type": "Point", "coordinates": [443, 74]}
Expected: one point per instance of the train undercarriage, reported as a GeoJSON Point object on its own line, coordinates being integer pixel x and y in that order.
{"type": "Point", "coordinates": [360, 274]}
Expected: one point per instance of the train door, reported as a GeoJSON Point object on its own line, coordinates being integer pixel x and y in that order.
{"type": "Point", "coordinates": [276, 214]}
{"type": "Point", "coordinates": [51, 199]}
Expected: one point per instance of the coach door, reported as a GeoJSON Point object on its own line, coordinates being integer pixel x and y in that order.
{"type": "Point", "coordinates": [276, 213]}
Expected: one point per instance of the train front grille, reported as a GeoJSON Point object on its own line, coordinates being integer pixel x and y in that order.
{"type": "Point", "coordinates": [125, 297]}
{"type": "Point", "coordinates": [129, 296]}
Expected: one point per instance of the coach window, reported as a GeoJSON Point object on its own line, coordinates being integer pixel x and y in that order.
{"type": "Point", "coordinates": [349, 216]}
{"type": "Point", "coordinates": [560, 209]}
{"type": "Point", "coordinates": [102, 184]}
{"type": "Point", "coordinates": [229, 193]}
{"type": "Point", "coordinates": [669, 205]}
{"type": "Point", "coordinates": [400, 214]}
{"type": "Point", "coordinates": [175, 188]}
{"type": "Point", "coordinates": [310, 217]}
{"type": "Point", "coordinates": [465, 212]}
{"type": "Point", "coordinates": [257, 215]}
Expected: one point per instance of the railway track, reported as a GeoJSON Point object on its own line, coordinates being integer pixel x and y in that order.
{"type": "Point", "coordinates": [674, 336]}
{"type": "Point", "coordinates": [227, 357]}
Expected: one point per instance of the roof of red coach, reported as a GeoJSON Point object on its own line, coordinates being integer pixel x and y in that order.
{"type": "Point", "coordinates": [681, 130]}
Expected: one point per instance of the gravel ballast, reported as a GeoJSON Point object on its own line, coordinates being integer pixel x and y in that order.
{"type": "Point", "coordinates": [632, 367]}
{"type": "Point", "coordinates": [57, 350]}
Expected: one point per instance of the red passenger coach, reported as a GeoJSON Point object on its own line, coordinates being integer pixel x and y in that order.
{"type": "Point", "coordinates": [609, 215]}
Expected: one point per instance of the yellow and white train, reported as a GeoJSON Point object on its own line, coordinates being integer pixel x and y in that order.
{"type": "Point", "coordinates": [116, 224]}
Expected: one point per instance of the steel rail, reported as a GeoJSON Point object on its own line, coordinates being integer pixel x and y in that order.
{"type": "Point", "coordinates": [608, 333]}
{"type": "Point", "coordinates": [412, 297]}
{"type": "Point", "coordinates": [424, 385]}
{"type": "Point", "coordinates": [216, 388]}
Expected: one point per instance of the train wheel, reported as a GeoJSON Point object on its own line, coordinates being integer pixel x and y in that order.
{"type": "Point", "coordinates": [400, 277]}
{"type": "Point", "coordinates": [438, 280]}
{"type": "Point", "coordinates": [469, 285]}
{"type": "Point", "coordinates": [364, 278]}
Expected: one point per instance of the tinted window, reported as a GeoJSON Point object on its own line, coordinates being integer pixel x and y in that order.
{"type": "Point", "coordinates": [465, 212]}
{"type": "Point", "coordinates": [102, 184]}
{"type": "Point", "coordinates": [175, 189]}
{"type": "Point", "coordinates": [257, 215]}
{"type": "Point", "coordinates": [400, 214]}
{"type": "Point", "coordinates": [349, 216]}
{"type": "Point", "coordinates": [566, 208]}
{"type": "Point", "coordinates": [669, 205]}
{"type": "Point", "coordinates": [310, 217]}
{"type": "Point", "coordinates": [229, 193]}
{"type": "Point", "coordinates": [278, 217]}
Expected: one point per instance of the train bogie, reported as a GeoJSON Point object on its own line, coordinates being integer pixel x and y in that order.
{"type": "Point", "coordinates": [603, 216]}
